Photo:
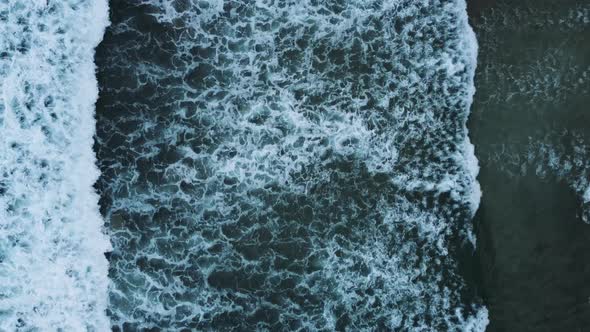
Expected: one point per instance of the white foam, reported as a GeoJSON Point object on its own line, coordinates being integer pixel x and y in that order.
{"type": "Point", "coordinates": [469, 45]}
{"type": "Point", "coordinates": [53, 274]}
{"type": "Point", "coordinates": [475, 323]}
{"type": "Point", "coordinates": [364, 127]}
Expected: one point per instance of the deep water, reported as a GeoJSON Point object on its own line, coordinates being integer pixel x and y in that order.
{"type": "Point", "coordinates": [530, 123]}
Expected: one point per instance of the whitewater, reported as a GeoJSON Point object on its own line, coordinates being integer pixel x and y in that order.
{"type": "Point", "coordinates": [262, 165]}
{"type": "Point", "coordinates": [53, 272]}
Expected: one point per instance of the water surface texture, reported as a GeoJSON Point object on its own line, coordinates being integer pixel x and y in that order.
{"type": "Point", "coordinates": [53, 273]}
{"type": "Point", "coordinates": [288, 165]}
{"type": "Point", "coordinates": [530, 124]}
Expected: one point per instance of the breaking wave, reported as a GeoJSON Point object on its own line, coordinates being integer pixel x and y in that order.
{"type": "Point", "coordinates": [53, 274]}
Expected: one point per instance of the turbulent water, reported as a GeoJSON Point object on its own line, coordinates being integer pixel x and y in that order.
{"type": "Point", "coordinates": [288, 165]}
{"type": "Point", "coordinates": [302, 165]}
{"type": "Point", "coordinates": [53, 274]}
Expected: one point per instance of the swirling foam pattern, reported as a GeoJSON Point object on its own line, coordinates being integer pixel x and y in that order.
{"type": "Point", "coordinates": [288, 165]}
{"type": "Point", "coordinates": [53, 274]}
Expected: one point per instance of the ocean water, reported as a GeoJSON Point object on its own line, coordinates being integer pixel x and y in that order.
{"type": "Point", "coordinates": [288, 165]}
{"type": "Point", "coordinates": [53, 273]}
{"type": "Point", "coordinates": [294, 165]}
{"type": "Point", "coordinates": [530, 127]}
{"type": "Point", "coordinates": [534, 69]}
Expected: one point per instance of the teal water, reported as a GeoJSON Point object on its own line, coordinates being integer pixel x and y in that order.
{"type": "Point", "coordinates": [287, 165]}
{"type": "Point", "coordinates": [295, 165]}
{"type": "Point", "coordinates": [530, 125]}
{"type": "Point", "coordinates": [183, 258]}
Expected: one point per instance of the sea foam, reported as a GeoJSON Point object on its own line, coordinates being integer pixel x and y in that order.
{"type": "Point", "coordinates": [289, 165]}
{"type": "Point", "coordinates": [53, 274]}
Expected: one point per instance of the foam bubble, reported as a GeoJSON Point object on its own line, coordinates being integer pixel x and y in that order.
{"type": "Point", "coordinates": [289, 165]}
{"type": "Point", "coordinates": [53, 274]}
